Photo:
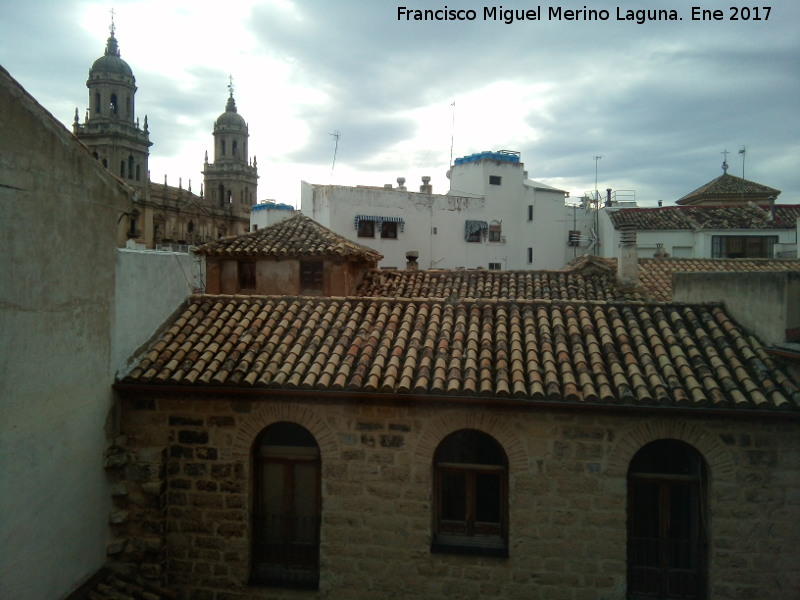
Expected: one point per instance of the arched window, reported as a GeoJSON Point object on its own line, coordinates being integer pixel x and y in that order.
{"type": "Point", "coordinates": [495, 231]}
{"type": "Point", "coordinates": [114, 105]}
{"type": "Point", "coordinates": [97, 104]}
{"type": "Point", "coordinates": [286, 510]}
{"type": "Point", "coordinates": [234, 147]}
{"type": "Point", "coordinates": [470, 495]}
{"type": "Point", "coordinates": [667, 528]}
{"type": "Point", "coordinates": [130, 167]}
{"type": "Point", "coordinates": [223, 147]}
{"type": "Point", "coordinates": [122, 169]}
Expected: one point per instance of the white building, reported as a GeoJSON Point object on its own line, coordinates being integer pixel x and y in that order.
{"type": "Point", "coordinates": [267, 213]}
{"type": "Point", "coordinates": [493, 217]}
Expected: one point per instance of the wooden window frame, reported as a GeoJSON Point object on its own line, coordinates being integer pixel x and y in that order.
{"type": "Point", "coordinates": [291, 562]}
{"type": "Point", "coordinates": [312, 276]}
{"type": "Point", "coordinates": [469, 535]}
{"type": "Point", "coordinates": [661, 563]}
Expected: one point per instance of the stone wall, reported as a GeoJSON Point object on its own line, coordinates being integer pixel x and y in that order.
{"type": "Point", "coordinates": [185, 495]}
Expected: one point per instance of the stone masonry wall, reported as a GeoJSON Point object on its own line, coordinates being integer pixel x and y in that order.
{"type": "Point", "coordinates": [567, 498]}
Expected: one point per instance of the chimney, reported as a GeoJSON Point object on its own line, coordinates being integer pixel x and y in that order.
{"type": "Point", "coordinates": [628, 259]}
{"type": "Point", "coordinates": [411, 258]}
{"type": "Point", "coordinates": [608, 196]}
{"type": "Point", "coordinates": [772, 208]}
{"type": "Point", "coordinates": [401, 184]}
{"type": "Point", "coordinates": [660, 252]}
{"type": "Point", "coordinates": [426, 187]}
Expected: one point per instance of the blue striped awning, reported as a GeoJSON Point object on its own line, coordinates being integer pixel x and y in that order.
{"type": "Point", "coordinates": [380, 220]}
{"type": "Point", "coordinates": [471, 227]}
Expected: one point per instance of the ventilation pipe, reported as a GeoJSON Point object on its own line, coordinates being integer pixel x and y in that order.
{"type": "Point", "coordinates": [628, 260]}
{"type": "Point", "coordinates": [426, 187]}
{"type": "Point", "coordinates": [411, 260]}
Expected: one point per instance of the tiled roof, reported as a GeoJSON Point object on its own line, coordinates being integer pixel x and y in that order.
{"type": "Point", "coordinates": [742, 216]}
{"type": "Point", "coordinates": [108, 584]}
{"type": "Point", "coordinates": [295, 237]}
{"type": "Point", "coordinates": [655, 274]}
{"type": "Point", "coordinates": [628, 354]}
{"type": "Point", "coordinates": [501, 285]}
{"type": "Point", "coordinates": [728, 186]}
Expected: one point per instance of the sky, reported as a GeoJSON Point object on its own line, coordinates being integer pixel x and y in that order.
{"type": "Point", "coordinates": [344, 92]}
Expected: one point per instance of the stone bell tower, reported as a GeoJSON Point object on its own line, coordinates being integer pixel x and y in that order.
{"type": "Point", "coordinates": [110, 128]}
{"type": "Point", "coordinates": [231, 180]}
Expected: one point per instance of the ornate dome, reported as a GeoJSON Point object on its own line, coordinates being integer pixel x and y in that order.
{"type": "Point", "coordinates": [110, 63]}
{"type": "Point", "coordinates": [230, 119]}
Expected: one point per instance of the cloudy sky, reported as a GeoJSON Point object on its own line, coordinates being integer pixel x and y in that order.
{"type": "Point", "coordinates": [658, 101]}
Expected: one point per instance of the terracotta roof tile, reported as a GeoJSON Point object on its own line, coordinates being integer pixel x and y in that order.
{"type": "Point", "coordinates": [741, 216]}
{"type": "Point", "coordinates": [296, 236]}
{"type": "Point", "coordinates": [627, 353]}
{"type": "Point", "coordinates": [500, 285]}
{"type": "Point", "coordinates": [655, 274]}
{"type": "Point", "coordinates": [727, 185]}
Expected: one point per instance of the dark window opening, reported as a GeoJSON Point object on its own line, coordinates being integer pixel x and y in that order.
{"type": "Point", "coordinates": [366, 229]}
{"type": "Point", "coordinates": [234, 148]}
{"type": "Point", "coordinates": [494, 179]}
{"type": "Point", "coordinates": [130, 167]}
{"type": "Point", "coordinates": [530, 212]}
{"type": "Point", "coordinates": [475, 236]}
{"type": "Point", "coordinates": [286, 515]}
{"type": "Point", "coordinates": [743, 246]}
{"type": "Point", "coordinates": [471, 495]}
{"type": "Point", "coordinates": [122, 169]}
{"type": "Point", "coordinates": [138, 173]}
{"type": "Point", "coordinates": [495, 232]}
{"type": "Point", "coordinates": [311, 275]}
{"type": "Point", "coordinates": [667, 530]}
{"type": "Point", "coordinates": [389, 230]}
{"type": "Point", "coordinates": [530, 255]}
{"type": "Point", "coordinates": [223, 147]}
{"type": "Point", "coordinates": [247, 275]}
{"type": "Point", "coordinates": [114, 106]}
{"type": "Point", "coordinates": [495, 266]}
{"type": "Point", "coordinates": [97, 103]}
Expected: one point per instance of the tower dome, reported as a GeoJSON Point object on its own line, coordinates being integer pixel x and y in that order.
{"type": "Point", "coordinates": [110, 63]}
{"type": "Point", "coordinates": [230, 119]}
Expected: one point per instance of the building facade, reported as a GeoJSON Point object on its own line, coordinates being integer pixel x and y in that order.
{"type": "Point", "coordinates": [493, 217]}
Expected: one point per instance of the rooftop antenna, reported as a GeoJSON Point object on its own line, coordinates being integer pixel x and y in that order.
{"type": "Point", "coordinates": [597, 206]}
{"type": "Point", "coordinates": [452, 131]}
{"type": "Point", "coordinates": [336, 135]}
{"type": "Point", "coordinates": [743, 152]}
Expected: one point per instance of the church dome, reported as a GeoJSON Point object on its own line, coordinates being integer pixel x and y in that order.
{"type": "Point", "coordinates": [230, 119]}
{"type": "Point", "coordinates": [110, 63]}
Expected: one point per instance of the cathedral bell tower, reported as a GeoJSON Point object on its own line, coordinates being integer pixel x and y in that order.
{"type": "Point", "coordinates": [110, 128]}
{"type": "Point", "coordinates": [231, 181]}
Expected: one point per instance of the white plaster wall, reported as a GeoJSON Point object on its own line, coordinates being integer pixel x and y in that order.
{"type": "Point", "coordinates": [150, 286]}
{"type": "Point", "coordinates": [57, 256]}
{"type": "Point", "coordinates": [265, 215]}
{"type": "Point", "coordinates": [435, 223]}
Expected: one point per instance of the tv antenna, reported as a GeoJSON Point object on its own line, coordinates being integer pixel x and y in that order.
{"type": "Point", "coordinates": [743, 152]}
{"type": "Point", "coordinates": [336, 135]}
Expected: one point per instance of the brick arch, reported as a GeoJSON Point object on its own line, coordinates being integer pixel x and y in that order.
{"type": "Point", "coordinates": [264, 415]}
{"type": "Point", "coordinates": [716, 455]}
{"type": "Point", "coordinates": [440, 427]}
